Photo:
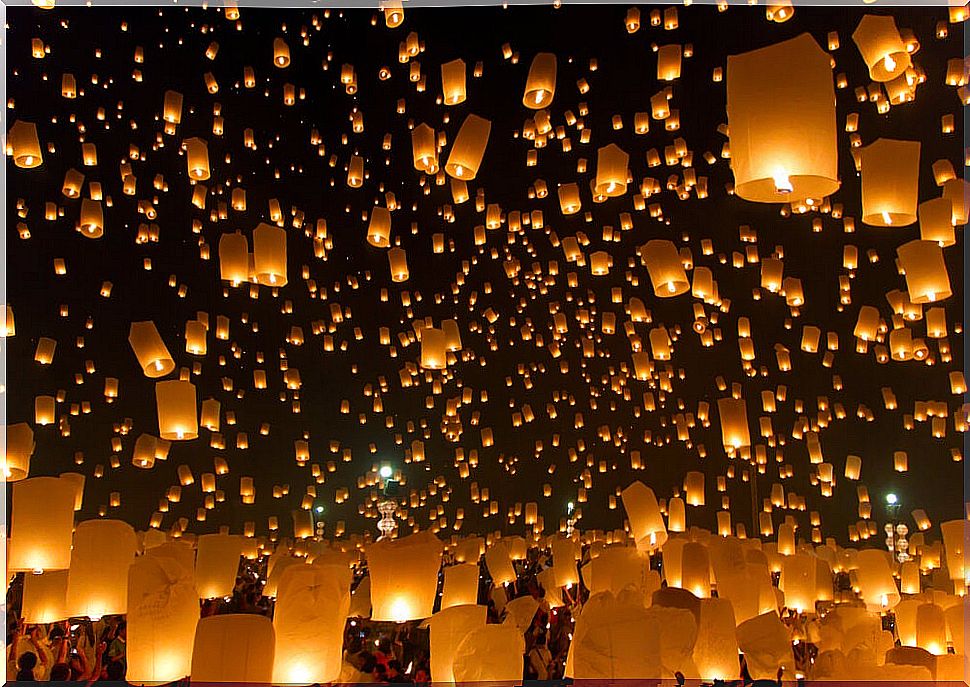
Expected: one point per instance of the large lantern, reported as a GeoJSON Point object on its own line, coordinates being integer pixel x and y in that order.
{"type": "Point", "coordinates": [955, 534]}
{"type": "Point", "coordinates": [217, 564]}
{"type": "Point", "coordinates": [152, 354]}
{"type": "Point", "coordinates": [643, 512]}
{"type": "Point", "coordinates": [460, 587]}
{"type": "Point", "coordinates": [197, 158]}
{"type": "Point", "coordinates": [404, 576]}
{"type": "Point", "coordinates": [540, 86]}
{"type": "Point", "coordinates": [379, 227]}
{"type": "Point", "coordinates": [453, 82]}
{"type": "Point", "coordinates": [91, 223]}
{"type": "Point", "coordinates": [97, 582]}
{"type": "Point", "coordinates": [926, 278]}
{"type": "Point", "coordinates": [734, 423]}
{"type": "Point", "coordinates": [882, 47]}
{"type": "Point", "coordinates": [163, 610]}
{"type": "Point", "coordinates": [24, 145]}
{"type": "Point", "coordinates": [781, 120]}
{"type": "Point", "coordinates": [492, 653]}
{"type": "Point", "coordinates": [234, 258]}
{"type": "Point", "coordinates": [177, 415]}
{"type": "Point", "coordinates": [18, 450]}
{"type": "Point", "coordinates": [311, 609]}
{"type": "Point", "coordinates": [447, 628]}
{"type": "Point", "coordinates": [876, 584]}
{"type": "Point", "coordinates": [398, 262]}
{"type": "Point", "coordinates": [41, 524]}
{"type": "Point", "coordinates": [611, 171]}
{"type": "Point", "coordinates": [45, 597]}
{"type": "Point", "coordinates": [666, 271]}
{"type": "Point", "coordinates": [716, 648]}
{"type": "Point", "coordinates": [469, 148]}
{"type": "Point", "coordinates": [499, 564]}
{"type": "Point", "coordinates": [890, 182]}
{"type": "Point", "coordinates": [238, 647]}
{"type": "Point", "coordinates": [269, 254]}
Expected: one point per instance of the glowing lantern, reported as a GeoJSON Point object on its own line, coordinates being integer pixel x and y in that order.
{"type": "Point", "coordinates": [238, 647]}
{"type": "Point", "coordinates": [92, 219]}
{"type": "Point", "coordinates": [766, 645]}
{"type": "Point", "coordinates": [936, 221]}
{"type": "Point", "coordinates": [172, 107]}
{"type": "Point", "coordinates": [781, 119]}
{"type": "Point", "coordinates": [18, 449]}
{"type": "Point", "coordinates": [882, 47]}
{"type": "Point", "coordinates": [954, 542]}
{"type": "Point", "coordinates": [453, 82]}
{"type": "Point", "coordinates": [234, 258]}
{"type": "Point", "coordinates": [668, 62]}
{"type": "Point", "coordinates": [876, 584]}
{"type": "Point", "coordinates": [498, 563]}
{"type": "Point", "coordinates": [646, 523]}
{"type": "Point", "coordinates": [492, 653]}
{"type": "Point", "coordinates": [24, 146]}
{"type": "Point", "coordinates": [197, 158]}
{"type": "Point", "coordinates": [469, 148]}
{"type": "Point", "coordinates": [281, 53]}
{"type": "Point", "coordinates": [311, 610]}
{"type": "Point", "coordinates": [216, 564]}
{"type": "Point", "coordinates": [404, 576]}
{"type": "Point", "coordinates": [433, 349]}
{"type": "Point", "coordinates": [379, 228]}
{"type": "Point", "coordinates": [163, 610]}
{"type": "Point", "coordinates": [666, 271]}
{"type": "Point", "coordinates": [958, 192]}
{"type": "Point", "coordinates": [269, 255]}
{"type": "Point", "coordinates": [734, 423]}
{"type": "Point", "coordinates": [44, 597]}
{"type": "Point", "coordinates": [890, 182]}
{"type": "Point", "coordinates": [798, 574]}
{"type": "Point", "coordinates": [97, 582]}
{"type": "Point", "coordinates": [447, 629]}
{"type": "Point", "coordinates": [44, 411]}
{"type": "Point", "coordinates": [150, 350]}
{"type": "Point", "coordinates": [615, 638]}
{"type": "Point", "coordinates": [611, 171]}
{"type": "Point", "coordinates": [398, 261]}
{"type": "Point", "coordinates": [41, 524]}
{"type": "Point", "coordinates": [716, 648]}
{"type": "Point", "coordinates": [540, 86]}
{"type": "Point", "coordinates": [460, 585]}
{"type": "Point", "coordinates": [926, 277]}
{"type": "Point", "coordinates": [177, 415]}
{"type": "Point", "coordinates": [676, 515]}
{"type": "Point", "coordinates": [569, 201]}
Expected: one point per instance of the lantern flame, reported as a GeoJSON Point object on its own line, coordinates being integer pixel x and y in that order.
{"type": "Point", "coordinates": [782, 182]}
{"type": "Point", "coordinates": [889, 63]}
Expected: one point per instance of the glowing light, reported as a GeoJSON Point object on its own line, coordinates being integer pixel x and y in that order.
{"type": "Point", "coordinates": [889, 63]}
{"type": "Point", "coordinates": [886, 217]}
{"type": "Point", "coordinates": [782, 182]}
{"type": "Point", "coordinates": [891, 499]}
{"type": "Point", "coordinates": [386, 471]}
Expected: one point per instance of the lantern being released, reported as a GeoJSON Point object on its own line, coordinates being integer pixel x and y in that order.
{"type": "Point", "coordinates": [236, 647]}
{"type": "Point", "coordinates": [646, 522]}
{"type": "Point", "coordinates": [19, 448]}
{"type": "Point", "coordinates": [881, 47]}
{"type": "Point", "coordinates": [890, 182]}
{"type": "Point", "coordinates": [41, 524]}
{"type": "Point", "coordinates": [97, 582]}
{"type": "Point", "coordinates": [540, 87]}
{"type": "Point", "coordinates": [781, 120]}
{"type": "Point", "coordinates": [216, 564]}
{"type": "Point", "coordinates": [404, 576]}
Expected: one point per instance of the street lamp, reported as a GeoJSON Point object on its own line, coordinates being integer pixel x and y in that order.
{"type": "Point", "coordinates": [388, 505]}
{"type": "Point", "coordinates": [896, 531]}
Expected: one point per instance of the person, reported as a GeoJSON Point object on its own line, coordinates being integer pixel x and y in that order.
{"type": "Point", "coordinates": [117, 648]}
{"type": "Point", "coordinates": [25, 667]}
{"type": "Point", "coordinates": [540, 659]}
{"type": "Point", "coordinates": [394, 673]}
{"type": "Point", "coordinates": [421, 676]}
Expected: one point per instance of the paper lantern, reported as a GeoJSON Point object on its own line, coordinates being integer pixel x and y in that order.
{"type": "Point", "coordinates": [453, 82]}
{"type": "Point", "coordinates": [646, 523]}
{"type": "Point", "coordinates": [890, 182]}
{"type": "Point", "coordinates": [954, 542]}
{"type": "Point", "coordinates": [44, 597]}
{"type": "Point", "coordinates": [676, 515]}
{"type": "Point", "coordinates": [798, 582]}
{"type": "Point", "coordinates": [540, 86]}
{"type": "Point", "coordinates": [172, 107]}
{"type": "Point", "coordinates": [716, 648]}
{"type": "Point", "coordinates": [499, 565]}
{"type": "Point", "coordinates": [611, 171]}
{"type": "Point", "coordinates": [927, 280]}
{"type": "Point", "coordinates": [867, 323]}
{"type": "Point", "coordinates": [91, 223]}
{"type": "Point", "coordinates": [668, 62]}
{"type": "Point", "coordinates": [766, 645]}
{"type": "Point", "coordinates": [216, 564]}
{"type": "Point", "coordinates": [177, 414]}
{"type": "Point", "coordinates": [281, 53]}
{"type": "Point", "coordinates": [931, 628]}
{"type": "Point", "coordinates": [734, 423]}
{"type": "Point", "coordinates": [234, 258]}
{"type": "Point", "coordinates": [308, 618]}
{"type": "Point", "coordinates": [876, 584]}
{"type": "Point", "coordinates": [564, 554]}
{"type": "Point", "coordinates": [44, 410]}
{"type": "Point", "coordinates": [24, 146]}
{"type": "Point", "coordinates": [433, 349]}
{"type": "Point", "coordinates": [379, 227]}
{"type": "Point", "coordinates": [97, 581]}
{"type": "Point", "coordinates": [447, 629]}
{"type": "Point", "coordinates": [695, 571]}
{"type": "Point", "coordinates": [469, 148]}
{"type": "Point", "coordinates": [19, 448]}
{"type": "Point", "coordinates": [615, 638]}
{"type": "Point", "coordinates": [41, 524]}
{"type": "Point", "coordinates": [163, 610]}
{"type": "Point", "coordinates": [781, 119]}
{"type": "Point", "coordinates": [957, 191]}
{"type": "Point", "coordinates": [76, 480]}
{"type": "Point", "coordinates": [619, 568]}
{"type": "Point", "coordinates": [197, 158]}
{"type": "Point", "coordinates": [404, 576]}
{"type": "Point", "coordinates": [882, 47]}
{"type": "Point", "coordinates": [398, 261]}
{"type": "Point", "coordinates": [694, 488]}
{"type": "Point", "coordinates": [492, 653]}
{"type": "Point", "coordinates": [269, 255]}
{"type": "Point", "coordinates": [936, 221]}
{"type": "Point", "coordinates": [460, 585]}
{"type": "Point", "coordinates": [233, 648]}
{"type": "Point", "coordinates": [666, 271]}
{"type": "Point", "coordinates": [150, 350]}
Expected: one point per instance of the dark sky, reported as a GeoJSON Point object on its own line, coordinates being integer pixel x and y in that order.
{"type": "Point", "coordinates": [287, 167]}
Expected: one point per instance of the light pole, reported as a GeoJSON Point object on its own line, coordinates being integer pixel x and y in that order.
{"type": "Point", "coordinates": [896, 531]}
{"type": "Point", "coordinates": [388, 505]}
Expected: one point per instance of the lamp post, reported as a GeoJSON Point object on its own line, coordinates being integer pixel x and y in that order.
{"type": "Point", "coordinates": [388, 505]}
{"type": "Point", "coordinates": [896, 531]}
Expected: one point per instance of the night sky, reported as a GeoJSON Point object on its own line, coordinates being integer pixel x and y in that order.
{"type": "Point", "coordinates": [97, 46]}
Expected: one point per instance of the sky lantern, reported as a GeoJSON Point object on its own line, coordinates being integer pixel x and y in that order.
{"type": "Point", "coordinates": [97, 581]}
{"type": "Point", "coordinates": [404, 576]}
{"type": "Point", "coordinates": [890, 182]}
{"type": "Point", "coordinates": [875, 578]}
{"type": "Point", "coordinates": [643, 512]}
{"type": "Point", "coordinates": [460, 585]}
{"type": "Point", "coordinates": [453, 82]}
{"type": "Point", "coordinates": [269, 254]}
{"type": "Point", "coordinates": [882, 47]}
{"type": "Point", "coordinates": [491, 653]}
{"type": "Point", "coordinates": [499, 564]}
{"type": "Point", "coordinates": [216, 564]}
{"type": "Point", "coordinates": [281, 53]}
{"type": "Point", "coordinates": [91, 223]}
{"type": "Point", "coordinates": [177, 415]}
{"type": "Point", "coordinates": [611, 171]}
{"type": "Point", "coordinates": [936, 221]}
{"type": "Point", "coordinates": [234, 258]}
{"type": "Point", "coordinates": [44, 597]}
{"type": "Point", "coordinates": [927, 280]}
{"type": "Point", "coordinates": [540, 86]}
{"type": "Point", "coordinates": [237, 647]}
{"type": "Point", "coordinates": [24, 146]}
{"type": "Point", "coordinates": [379, 228]}
{"type": "Point", "coordinates": [447, 628]}
{"type": "Point", "coordinates": [668, 62]}
{"type": "Point", "coordinates": [311, 609]}
{"type": "Point", "coordinates": [197, 158]}
{"type": "Point", "coordinates": [781, 118]}
{"type": "Point", "coordinates": [954, 543]}
{"type": "Point", "coordinates": [734, 423]}
{"type": "Point", "coordinates": [152, 354]}
{"type": "Point", "coordinates": [41, 524]}
{"type": "Point", "coordinates": [172, 107]}
{"type": "Point", "coordinates": [433, 349]}
{"type": "Point", "coordinates": [163, 610]}
{"type": "Point", "coordinates": [468, 148]}
{"type": "Point", "coordinates": [398, 261]}
{"type": "Point", "coordinates": [667, 275]}
{"type": "Point", "coordinates": [18, 449]}
{"type": "Point", "coordinates": [716, 648]}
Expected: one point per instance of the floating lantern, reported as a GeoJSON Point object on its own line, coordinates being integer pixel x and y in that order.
{"type": "Point", "coordinates": [876, 584]}
{"type": "Point", "coordinates": [882, 47]}
{"type": "Point", "coordinates": [611, 171]}
{"type": "Point", "coordinates": [41, 524]}
{"type": "Point", "coordinates": [398, 261]}
{"type": "Point", "coordinates": [498, 562]}
{"type": "Point", "coordinates": [926, 277]}
{"type": "Point", "coordinates": [453, 82]}
{"type": "Point", "coordinates": [460, 585]}
{"type": "Point", "coordinates": [540, 86]}
{"type": "Point", "coordinates": [150, 350]}
{"type": "Point", "coordinates": [269, 255]}
{"type": "Point", "coordinates": [379, 228]}
{"type": "Point", "coordinates": [97, 582]}
{"type": "Point", "coordinates": [238, 647]}
{"type": "Point", "coordinates": [216, 565]}
{"type": "Point", "coordinates": [734, 423]}
{"type": "Point", "coordinates": [197, 158]}
{"type": "Point", "coordinates": [890, 182]}
{"type": "Point", "coordinates": [92, 219]}
{"type": "Point", "coordinates": [404, 576]}
{"type": "Point", "coordinates": [234, 258]}
{"type": "Point", "coordinates": [433, 349]}
{"type": "Point", "coordinates": [281, 53]}
{"type": "Point", "coordinates": [18, 450]}
{"type": "Point", "coordinates": [646, 523]}
{"type": "Point", "coordinates": [781, 118]}
{"type": "Point", "coordinates": [24, 146]}
{"type": "Point", "coordinates": [176, 404]}
{"type": "Point", "coordinates": [716, 647]}
{"type": "Point", "coordinates": [447, 629]}
{"type": "Point", "coordinates": [469, 148]}
{"type": "Point", "coordinates": [44, 597]}
{"type": "Point", "coordinates": [666, 271]}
